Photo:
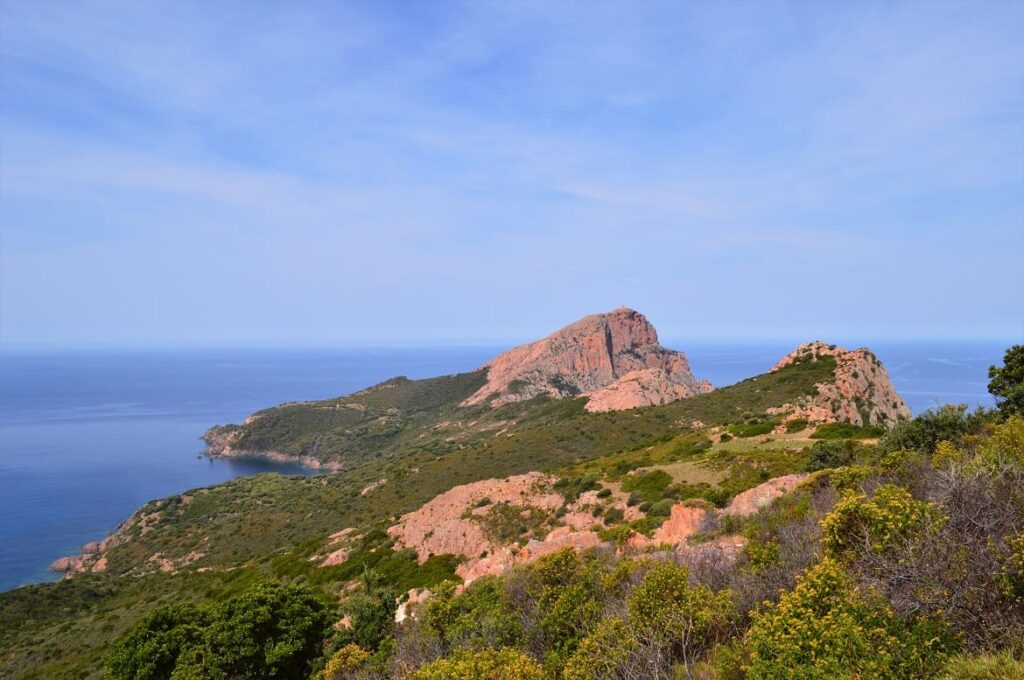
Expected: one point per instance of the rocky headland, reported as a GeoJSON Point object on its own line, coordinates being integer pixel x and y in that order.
{"type": "Point", "coordinates": [613, 358]}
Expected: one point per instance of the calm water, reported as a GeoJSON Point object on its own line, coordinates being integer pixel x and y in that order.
{"type": "Point", "coordinates": [86, 439]}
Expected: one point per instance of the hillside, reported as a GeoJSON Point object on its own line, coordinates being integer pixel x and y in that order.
{"type": "Point", "coordinates": [430, 489]}
{"type": "Point", "coordinates": [604, 363]}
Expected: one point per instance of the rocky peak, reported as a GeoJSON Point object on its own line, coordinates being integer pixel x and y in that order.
{"type": "Point", "coordinates": [861, 392]}
{"type": "Point", "coordinates": [613, 358]}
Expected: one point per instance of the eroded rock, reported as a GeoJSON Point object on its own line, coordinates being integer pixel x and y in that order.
{"type": "Point", "coordinates": [861, 393]}
{"type": "Point", "coordinates": [614, 358]}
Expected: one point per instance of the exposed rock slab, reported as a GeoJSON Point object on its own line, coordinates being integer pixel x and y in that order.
{"type": "Point", "coordinates": [762, 495]}
{"type": "Point", "coordinates": [588, 357]}
{"type": "Point", "coordinates": [443, 527]}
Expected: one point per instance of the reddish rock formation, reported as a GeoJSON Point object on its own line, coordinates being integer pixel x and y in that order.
{"type": "Point", "coordinates": [861, 393]}
{"type": "Point", "coordinates": [752, 500]}
{"type": "Point", "coordinates": [683, 522]}
{"type": "Point", "coordinates": [443, 527]}
{"type": "Point", "coordinates": [614, 358]}
{"type": "Point", "coordinates": [501, 559]}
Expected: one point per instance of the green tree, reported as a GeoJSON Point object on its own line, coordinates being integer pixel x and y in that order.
{"type": "Point", "coordinates": [1006, 384]}
{"type": "Point", "coordinates": [371, 612]}
{"type": "Point", "coordinates": [270, 631]}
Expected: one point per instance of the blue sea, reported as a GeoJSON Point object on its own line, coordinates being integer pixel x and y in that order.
{"type": "Point", "coordinates": [86, 438]}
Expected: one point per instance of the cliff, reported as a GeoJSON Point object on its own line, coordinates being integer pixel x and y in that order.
{"type": "Point", "coordinates": [613, 358]}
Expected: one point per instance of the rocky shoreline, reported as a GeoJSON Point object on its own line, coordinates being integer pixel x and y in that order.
{"type": "Point", "coordinates": [219, 439]}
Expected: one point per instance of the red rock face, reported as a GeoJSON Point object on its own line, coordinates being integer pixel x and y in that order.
{"type": "Point", "coordinates": [613, 358]}
{"type": "Point", "coordinates": [861, 393]}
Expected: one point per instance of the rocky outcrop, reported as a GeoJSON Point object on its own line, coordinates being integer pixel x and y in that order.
{"type": "Point", "coordinates": [505, 557]}
{"type": "Point", "coordinates": [613, 358]}
{"type": "Point", "coordinates": [684, 521]}
{"type": "Point", "coordinates": [762, 495]}
{"type": "Point", "coordinates": [93, 556]}
{"type": "Point", "coordinates": [861, 392]}
{"type": "Point", "coordinates": [645, 387]}
{"type": "Point", "coordinates": [446, 525]}
{"type": "Point", "coordinates": [221, 442]}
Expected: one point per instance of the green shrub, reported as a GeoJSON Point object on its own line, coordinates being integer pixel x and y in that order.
{"type": "Point", "coordinates": [825, 628]}
{"type": "Point", "coordinates": [923, 433]}
{"type": "Point", "coordinates": [602, 653]}
{"type": "Point", "coordinates": [666, 605]}
{"type": "Point", "coordinates": [649, 486]}
{"type": "Point", "coordinates": [613, 516]}
{"type": "Point", "coordinates": [270, 631]}
{"type": "Point", "coordinates": [846, 431]}
{"type": "Point", "coordinates": [344, 662]}
{"type": "Point", "coordinates": [796, 425]}
{"type": "Point", "coordinates": [662, 508]}
{"type": "Point", "coordinates": [829, 454]}
{"type": "Point", "coordinates": [744, 430]}
{"type": "Point", "coordinates": [479, 615]}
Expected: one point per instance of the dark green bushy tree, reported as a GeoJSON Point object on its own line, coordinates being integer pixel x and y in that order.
{"type": "Point", "coordinates": [271, 631]}
{"type": "Point", "coordinates": [1006, 384]}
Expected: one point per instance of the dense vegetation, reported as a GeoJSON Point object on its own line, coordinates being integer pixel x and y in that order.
{"type": "Point", "coordinates": [902, 555]}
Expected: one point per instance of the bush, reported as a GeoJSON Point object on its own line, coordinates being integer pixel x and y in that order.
{"type": "Point", "coordinates": [488, 664]}
{"type": "Point", "coordinates": [480, 616]}
{"type": "Point", "coordinates": [372, 613]}
{"type": "Point", "coordinates": [270, 631]}
{"type": "Point", "coordinates": [796, 425]}
{"type": "Point", "coordinates": [825, 628]}
{"type": "Point", "coordinates": [602, 653]}
{"type": "Point", "coordinates": [662, 508]}
{"type": "Point", "coordinates": [892, 516]}
{"type": "Point", "coordinates": [828, 454]}
{"type": "Point", "coordinates": [923, 433]}
{"type": "Point", "coordinates": [649, 486]}
{"type": "Point", "coordinates": [754, 429]}
{"type": "Point", "coordinates": [613, 516]}
{"type": "Point", "coordinates": [344, 662]}
{"type": "Point", "coordinates": [846, 431]}
{"type": "Point", "coordinates": [665, 605]}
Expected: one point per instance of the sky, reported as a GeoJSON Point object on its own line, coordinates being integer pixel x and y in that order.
{"type": "Point", "coordinates": [332, 173]}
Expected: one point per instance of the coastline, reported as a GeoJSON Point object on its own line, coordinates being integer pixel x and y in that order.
{"type": "Point", "coordinates": [274, 456]}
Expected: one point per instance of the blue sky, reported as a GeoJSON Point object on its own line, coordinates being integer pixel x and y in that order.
{"type": "Point", "coordinates": [418, 172]}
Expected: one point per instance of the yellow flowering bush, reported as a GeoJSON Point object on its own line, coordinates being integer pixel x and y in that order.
{"type": "Point", "coordinates": [602, 653]}
{"type": "Point", "coordinates": [1005, 447]}
{"type": "Point", "coordinates": [877, 523]}
{"type": "Point", "coordinates": [344, 661]}
{"type": "Point", "coordinates": [665, 604]}
{"type": "Point", "coordinates": [489, 664]}
{"type": "Point", "coordinates": [825, 628]}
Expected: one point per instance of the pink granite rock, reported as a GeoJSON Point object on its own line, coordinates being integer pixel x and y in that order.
{"type": "Point", "coordinates": [861, 392]}
{"type": "Point", "coordinates": [752, 500]}
{"type": "Point", "coordinates": [588, 357]}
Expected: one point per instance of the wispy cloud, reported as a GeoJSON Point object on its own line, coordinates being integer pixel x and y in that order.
{"type": "Point", "coordinates": [214, 172]}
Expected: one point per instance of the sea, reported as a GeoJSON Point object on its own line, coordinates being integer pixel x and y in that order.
{"type": "Point", "coordinates": [88, 437]}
